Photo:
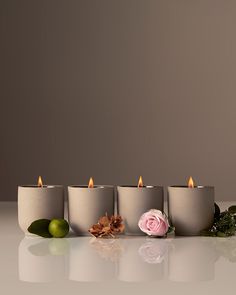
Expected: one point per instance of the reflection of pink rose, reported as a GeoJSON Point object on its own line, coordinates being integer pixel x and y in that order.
{"type": "Point", "coordinates": [154, 223]}
{"type": "Point", "coordinates": [153, 251]}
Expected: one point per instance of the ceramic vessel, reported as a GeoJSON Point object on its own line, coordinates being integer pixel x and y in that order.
{"type": "Point", "coordinates": [87, 205]}
{"type": "Point", "coordinates": [191, 210]}
{"type": "Point", "coordinates": [39, 202]}
{"type": "Point", "coordinates": [133, 201]}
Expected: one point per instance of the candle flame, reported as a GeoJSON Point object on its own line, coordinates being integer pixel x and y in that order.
{"type": "Point", "coordinates": [140, 181]}
{"type": "Point", "coordinates": [191, 182]}
{"type": "Point", "coordinates": [40, 182]}
{"type": "Point", "coordinates": [91, 185]}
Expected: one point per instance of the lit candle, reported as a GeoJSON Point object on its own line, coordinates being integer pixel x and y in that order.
{"type": "Point", "coordinates": [191, 208]}
{"type": "Point", "coordinates": [39, 202]}
{"type": "Point", "coordinates": [87, 203]}
{"type": "Point", "coordinates": [133, 201]}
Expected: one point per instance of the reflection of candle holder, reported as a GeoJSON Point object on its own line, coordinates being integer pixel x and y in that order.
{"type": "Point", "coordinates": [192, 260]}
{"type": "Point", "coordinates": [41, 260]}
{"type": "Point", "coordinates": [142, 260]}
{"type": "Point", "coordinates": [226, 248]}
{"type": "Point", "coordinates": [93, 260]}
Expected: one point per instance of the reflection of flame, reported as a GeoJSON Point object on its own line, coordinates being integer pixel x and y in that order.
{"type": "Point", "coordinates": [140, 182]}
{"type": "Point", "coordinates": [191, 182]}
{"type": "Point", "coordinates": [40, 182]}
{"type": "Point", "coordinates": [90, 185]}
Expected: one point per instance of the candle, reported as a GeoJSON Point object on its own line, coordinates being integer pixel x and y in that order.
{"type": "Point", "coordinates": [191, 208]}
{"type": "Point", "coordinates": [87, 204]}
{"type": "Point", "coordinates": [39, 201]}
{"type": "Point", "coordinates": [133, 201]}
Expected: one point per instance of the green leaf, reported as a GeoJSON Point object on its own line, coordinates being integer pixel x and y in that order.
{"type": "Point", "coordinates": [221, 234]}
{"type": "Point", "coordinates": [232, 209]}
{"type": "Point", "coordinates": [40, 227]}
{"type": "Point", "coordinates": [207, 233]}
{"type": "Point", "coordinates": [217, 211]}
{"type": "Point", "coordinates": [171, 229]}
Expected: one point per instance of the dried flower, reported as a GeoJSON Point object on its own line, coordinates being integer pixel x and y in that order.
{"type": "Point", "coordinates": [107, 226]}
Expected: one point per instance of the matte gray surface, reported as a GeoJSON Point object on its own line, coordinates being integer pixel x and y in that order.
{"type": "Point", "coordinates": [191, 210]}
{"type": "Point", "coordinates": [132, 202]}
{"type": "Point", "coordinates": [38, 203]}
{"type": "Point", "coordinates": [115, 89]}
{"type": "Point", "coordinates": [87, 205]}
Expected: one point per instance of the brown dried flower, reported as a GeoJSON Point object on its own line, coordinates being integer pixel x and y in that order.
{"type": "Point", "coordinates": [107, 226]}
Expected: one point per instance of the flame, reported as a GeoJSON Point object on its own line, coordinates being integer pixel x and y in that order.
{"type": "Point", "coordinates": [191, 182]}
{"type": "Point", "coordinates": [40, 182]}
{"type": "Point", "coordinates": [140, 181]}
{"type": "Point", "coordinates": [90, 185]}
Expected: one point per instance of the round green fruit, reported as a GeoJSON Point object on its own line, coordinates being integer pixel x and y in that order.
{"type": "Point", "coordinates": [58, 228]}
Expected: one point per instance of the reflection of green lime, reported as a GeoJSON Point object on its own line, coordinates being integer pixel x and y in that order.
{"type": "Point", "coordinates": [58, 228]}
{"type": "Point", "coordinates": [58, 246]}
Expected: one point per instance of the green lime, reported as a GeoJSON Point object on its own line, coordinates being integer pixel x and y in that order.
{"type": "Point", "coordinates": [58, 228]}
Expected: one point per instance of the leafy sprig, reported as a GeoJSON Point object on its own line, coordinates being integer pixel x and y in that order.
{"type": "Point", "coordinates": [224, 223]}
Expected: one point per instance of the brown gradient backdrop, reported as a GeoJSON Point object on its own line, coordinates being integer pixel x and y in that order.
{"type": "Point", "coordinates": [115, 89]}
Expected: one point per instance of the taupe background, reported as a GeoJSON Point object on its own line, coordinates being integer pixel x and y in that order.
{"type": "Point", "coordinates": [115, 89]}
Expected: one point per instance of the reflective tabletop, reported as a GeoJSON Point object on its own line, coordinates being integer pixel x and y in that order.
{"type": "Point", "coordinates": [135, 265]}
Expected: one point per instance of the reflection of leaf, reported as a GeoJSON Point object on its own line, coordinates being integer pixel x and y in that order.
{"type": "Point", "coordinates": [40, 249]}
{"type": "Point", "coordinates": [40, 227]}
{"type": "Point", "coordinates": [53, 247]}
{"type": "Point", "coordinates": [108, 249]}
{"type": "Point", "coordinates": [227, 248]}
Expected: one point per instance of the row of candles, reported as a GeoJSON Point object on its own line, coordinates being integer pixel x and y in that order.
{"type": "Point", "coordinates": [190, 208]}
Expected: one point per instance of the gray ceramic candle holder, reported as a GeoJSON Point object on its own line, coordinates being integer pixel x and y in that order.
{"type": "Point", "coordinates": [87, 205]}
{"type": "Point", "coordinates": [39, 202]}
{"type": "Point", "coordinates": [133, 201]}
{"type": "Point", "coordinates": [191, 210]}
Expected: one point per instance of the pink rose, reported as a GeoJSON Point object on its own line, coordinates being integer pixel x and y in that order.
{"type": "Point", "coordinates": [154, 223]}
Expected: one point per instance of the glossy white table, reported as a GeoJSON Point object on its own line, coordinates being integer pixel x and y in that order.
{"type": "Point", "coordinates": [128, 265]}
